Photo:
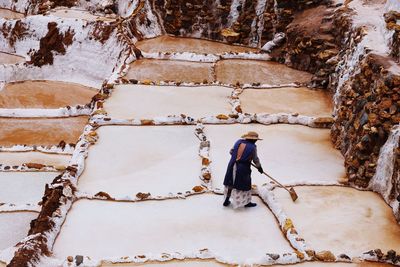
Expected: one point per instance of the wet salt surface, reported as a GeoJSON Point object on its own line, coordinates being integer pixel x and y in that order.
{"type": "Point", "coordinates": [290, 153]}
{"type": "Point", "coordinates": [170, 70]}
{"type": "Point", "coordinates": [78, 14]}
{"type": "Point", "coordinates": [19, 158]}
{"type": "Point", "coordinates": [167, 43]}
{"type": "Point", "coordinates": [184, 226]}
{"type": "Point", "coordinates": [234, 71]}
{"type": "Point", "coordinates": [147, 101]}
{"type": "Point", "coordinates": [211, 263]}
{"type": "Point", "coordinates": [41, 131]}
{"type": "Point", "coordinates": [289, 100]}
{"type": "Point", "coordinates": [6, 58]}
{"type": "Point", "coordinates": [128, 159]}
{"type": "Point", "coordinates": [44, 94]}
{"type": "Point", "coordinates": [14, 185]}
{"type": "Point", "coordinates": [9, 14]}
{"type": "Point", "coordinates": [343, 220]}
{"type": "Point", "coordinates": [337, 264]}
{"type": "Point", "coordinates": [14, 227]}
{"type": "Point", "coordinates": [173, 263]}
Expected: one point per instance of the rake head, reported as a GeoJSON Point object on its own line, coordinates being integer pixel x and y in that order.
{"type": "Point", "coordinates": [293, 194]}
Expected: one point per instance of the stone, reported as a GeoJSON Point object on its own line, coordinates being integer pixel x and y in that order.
{"type": "Point", "coordinates": [344, 257]}
{"type": "Point", "coordinates": [273, 256]}
{"type": "Point", "coordinates": [147, 122]}
{"type": "Point", "coordinates": [70, 259]}
{"type": "Point", "coordinates": [198, 189]}
{"type": "Point", "coordinates": [325, 255]}
{"type": "Point", "coordinates": [207, 176]}
{"type": "Point", "coordinates": [222, 117]}
{"type": "Point", "coordinates": [102, 194]}
{"type": "Point", "coordinates": [288, 225]}
{"type": "Point", "coordinates": [34, 165]}
{"type": "Point", "coordinates": [78, 260]}
{"type": "Point", "coordinates": [142, 196]}
{"type": "Point", "coordinates": [391, 255]}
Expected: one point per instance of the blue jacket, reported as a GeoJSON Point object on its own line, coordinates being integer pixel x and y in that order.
{"type": "Point", "coordinates": [238, 173]}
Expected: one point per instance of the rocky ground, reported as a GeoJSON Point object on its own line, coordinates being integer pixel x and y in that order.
{"type": "Point", "coordinates": [115, 135]}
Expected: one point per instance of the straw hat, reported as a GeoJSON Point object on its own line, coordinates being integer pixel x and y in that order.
{"type": "Point", "coordinates": [251, 136]}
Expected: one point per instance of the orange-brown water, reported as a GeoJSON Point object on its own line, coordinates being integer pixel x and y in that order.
{"type": "Point", "coordinates": [41, 131]}
{"type": "Point", "coordinates": [169, 70]}
{"type": "Point", "coordinates": [44, 94]}
{"type": "Point", "coordinates": [167, 43]}
{"type": "Point", "coordinates": [9, 14]}
{"type": "Point", "coordinates": [6, 58]}
{"type": "Point", "coordinates": [289, 100]}
{"type": "Point", "coordinates": [234, 71]}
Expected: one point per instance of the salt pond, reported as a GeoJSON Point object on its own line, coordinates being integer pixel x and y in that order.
{"type": "Point", "coordinates": [129, 159]}
{"type": "Point", "coordinates": [44, 94]}
{"type": "Point", "coordinates": [6, 58]}
{"type": "Point", "coordinates": [103, 229]}
{"type": "Point", "coordinates": [76, 13]}
{"type": "Point", "coordinates": [19, 158]}
{"type": "Point", "coordinates": [290, 153]}
{"type": "Point", "coordinates": [234, 71]}
{"type": "Point", "coordinates": [9, 14]}
{"type": "Point", "coordinates": [168, 43]}
{"type": "Point", "coordinates": [14, 227]}
{"type": "Point", "coordinates": [170, 70]}
{"type": "Point", "coordinates": [186, 263]}
{"type": "Point", "coordinates": [343, 220]}
{"type": "Point", "coordinates": [14, 185]}
{"type": "Point", "coordinates": [301, 100]}
{"type": "Point", "coordinates": [147, 101]}
{"type": "Point", "coordinates": [41, 131]}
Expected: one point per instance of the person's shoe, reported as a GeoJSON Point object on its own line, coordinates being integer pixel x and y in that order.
{"type": "Point", "coordinates": [250, 205]}
{"type": "Point", "coordinates": [226, 203]}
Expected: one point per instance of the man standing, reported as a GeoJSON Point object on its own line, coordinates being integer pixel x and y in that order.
{"type": "Point", "coordinates": [238, 175]}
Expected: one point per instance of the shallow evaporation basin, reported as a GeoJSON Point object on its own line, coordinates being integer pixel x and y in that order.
{"type": "Point", "coordinates": [185, 226]}
{"type": "Point", "coordinates": [148, 101]}
{"type": "Point", "coordinates": [233, 71]}
{"type": "Point", "coordinates": [10, 14]}
{"type": "Point", "coordinates": [290, 153]}
{"type": "Point", "coordinates": [71, 13]}
{"type": "Point", "coordinates": [127, 160]}
{"type": "Point", "coordinates": [304, 101]}
{"type": "Point", "coordinates": [342, 220]}
{"type": "Point", "coordinates": [170, 70]}
{"type": "Point", "coordinates": [14, 227]}
{"type": "Point", "coordinates": [20, 158]}
{"type": "Point", "coordinates": [41, 131]}
{"type": "Point", "coordinates": [172, 44]}
{"type": "Point", "coordinates": [44, 94]}
{"type": "Point", "coordinates": [6, 58]}
{"type": "Point", "coordinates": [172, 263]}
{"type": "Point", "coordinates": [14, 185]}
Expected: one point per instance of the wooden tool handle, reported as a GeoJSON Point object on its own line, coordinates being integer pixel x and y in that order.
{"type": "Point", "coordinates": [273, 179]}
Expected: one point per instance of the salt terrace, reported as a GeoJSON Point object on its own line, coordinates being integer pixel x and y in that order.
{"type": "Point", "coordinates": [157, 143]}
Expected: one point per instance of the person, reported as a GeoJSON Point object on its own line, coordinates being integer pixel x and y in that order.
{"type": "Point", "coordinates": [237, 180]}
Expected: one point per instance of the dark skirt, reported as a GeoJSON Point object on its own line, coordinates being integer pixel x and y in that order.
{"type": "Point", "coordinates": [238, 175]}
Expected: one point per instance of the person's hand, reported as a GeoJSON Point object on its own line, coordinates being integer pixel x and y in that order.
{"type": "Point", "coordinates": [260, 169]}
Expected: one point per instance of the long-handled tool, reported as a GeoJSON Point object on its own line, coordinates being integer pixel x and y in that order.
{"type": "Point", "coordinates": [291, 191]}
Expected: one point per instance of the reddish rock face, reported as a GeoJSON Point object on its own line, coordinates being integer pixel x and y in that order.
{"type": "Point", "coordinates": [310, 46]}
{"type": "Point", "coordinates": [15, 32]}
{"type": "Point", "coordinates": [368, 110]}
{"type": "Point", "coordinates": [54, 41]}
